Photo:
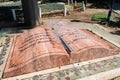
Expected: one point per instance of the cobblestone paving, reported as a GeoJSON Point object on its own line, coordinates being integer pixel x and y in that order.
{"type": "Point", "coordinates": [4, 46]}
{"type": "Point", "coordinates": [79, 71]}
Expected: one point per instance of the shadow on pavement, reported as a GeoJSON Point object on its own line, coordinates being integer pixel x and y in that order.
{"type": "Point", "coordinates": [116, 32]}
{"type": "Point", "coordinates": [75, 20]}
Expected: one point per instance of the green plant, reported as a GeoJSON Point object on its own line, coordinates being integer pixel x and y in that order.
{"type": "Point", "coordinates": [79, 4]}
{"type": "Point", "coordinates": [51, 7]}
{"type": "Point", "coordinates": [101, 18]}
{"type": "Point", "coordinates": [4, 0]}
{"type": "Point", "coordinates": [14, 5]}
{"type": "Point", "coordinates": [69, 8]}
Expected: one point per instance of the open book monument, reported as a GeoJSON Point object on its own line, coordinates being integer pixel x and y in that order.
{"type": "Point", "coordinates": [42, 49]}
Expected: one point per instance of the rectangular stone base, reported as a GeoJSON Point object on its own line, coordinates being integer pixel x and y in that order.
{"type": "Point", "coordinates": [41, 49]}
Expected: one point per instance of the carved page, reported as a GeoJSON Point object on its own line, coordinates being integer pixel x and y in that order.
{"type": "Point", "coordinates": [85, 45]}
{"type": "Point", "coordinates": [35, 50]}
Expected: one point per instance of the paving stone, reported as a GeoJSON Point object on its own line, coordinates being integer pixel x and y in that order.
{"type": "Point", "coordinates": [72, 73]}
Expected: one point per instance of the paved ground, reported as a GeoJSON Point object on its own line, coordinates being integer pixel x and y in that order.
{"type": "Point", "coordinates": [77, 21]}
{"type": "Point", "coordinates": [95, 28]}
{"type": "Point", "coordinates": [81, 71]}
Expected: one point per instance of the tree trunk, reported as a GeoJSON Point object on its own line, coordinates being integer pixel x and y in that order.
{"type": "Point", "coordinates": [85, 1]}
{"type": "Point", "coordinates": [110, 11]}
{"type": "Point", "coordinates": [31, 12]}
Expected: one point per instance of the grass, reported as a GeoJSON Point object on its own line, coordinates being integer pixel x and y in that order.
{"type": "Point", "coordinates": [14, 5]}
{"type": "Point", "coordinates": [79, 4]}
{"type": "Point", "coordinates": [51, 7]}
{"type": "Point", "coordinates": [69, 8]}
{"type": "Point", "coordinates": [101, 18]}
{"type": "Point", "coordinates": [47, 8]}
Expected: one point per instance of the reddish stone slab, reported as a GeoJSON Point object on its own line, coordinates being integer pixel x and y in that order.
{"type": "Point", "coordinates": [40, 49]}
{"type": "Point", "coordinates": [85, 45]}
{"type": "Point", "coordinates": [35, 50]}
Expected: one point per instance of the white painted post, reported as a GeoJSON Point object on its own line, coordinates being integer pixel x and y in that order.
{"type": "Point", "coordinates": [72, 2]}
{"type": "Point", "coordinates": [75, 3]}
{"type": "Point", "coordinates": [65, 11]}
{"type": "Point", "coordinates": [68, 2]}
{"type": "Point", "coordinates": [40, 13]}
{"type": "Point", "coordinates": [83, 5]}
{"type": "Point", "coordinates": [14, 14]}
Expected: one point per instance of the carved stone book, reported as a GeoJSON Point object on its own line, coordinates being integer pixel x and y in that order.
{"type": "Point", "coordinates": [40, 49]}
